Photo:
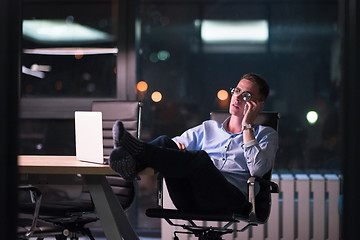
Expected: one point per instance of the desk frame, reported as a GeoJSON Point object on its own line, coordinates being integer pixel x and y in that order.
{"type": "Point", "coordinates": [112, 216]}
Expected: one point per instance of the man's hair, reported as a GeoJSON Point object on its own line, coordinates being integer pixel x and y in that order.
{"type": "Point", "coordinates": [263, 85]}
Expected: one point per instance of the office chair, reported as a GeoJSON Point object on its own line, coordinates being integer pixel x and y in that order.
{"type": "Point", "coordinates": [30, 226]}
{"type": "Point", "coordinates": [65, 218]}
{"type": "Point", "coordinates": [261, 202]}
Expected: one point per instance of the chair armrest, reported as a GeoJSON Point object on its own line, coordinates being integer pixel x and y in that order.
{"type": "Point", "coordinates": [274, 187]}
{"type": "Point", "coordinates": [36, 197]}
{"type": "Point", "coordinates": [159, 191]}
{"type": "Point", "coordinates": [251, 189]}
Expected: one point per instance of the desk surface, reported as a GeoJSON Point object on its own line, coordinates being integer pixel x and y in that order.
{"type": "Point", "coordinates": [40, 164]}
{"type": "Point", "coordinates": [51, 164]}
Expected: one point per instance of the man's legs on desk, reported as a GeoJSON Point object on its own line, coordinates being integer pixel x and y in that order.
{"type": "Point", "coordinates": [193, 181]}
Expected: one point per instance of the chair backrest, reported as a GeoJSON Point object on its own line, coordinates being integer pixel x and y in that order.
{"type": "Point", "coordinates": [263, 198]}
{"type": "Point", "coordinates": [129, 112]}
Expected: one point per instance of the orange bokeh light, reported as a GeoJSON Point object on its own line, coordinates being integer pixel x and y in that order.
{"type": "Point", "coordinates": [58, 85]}
{"type": "Point", "coordinates": [222, 95]}
{"type": "Point", "coordinates": [79, 54]}
{"type": "Point", "coordinates": [156, 96]}
{"type": "Point", "coordinates": [141, 86]}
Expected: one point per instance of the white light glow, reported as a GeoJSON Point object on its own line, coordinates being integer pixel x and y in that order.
{"type": "Point", "coordinates": [40, 68]}
{"type": "Point", "coordinates": [71, 51]}
{"type": "Point", "coordinates": [50, 31]}
{"type": "Point", "coordinates": [312, 117]}
{"type": "Point", "coordinates": [221, 31]}
{"type": "Point", "coordinates": [33, 73]}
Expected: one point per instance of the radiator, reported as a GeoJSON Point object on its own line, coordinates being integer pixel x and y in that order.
{"type": "Point", "coordinates": [306, 208]}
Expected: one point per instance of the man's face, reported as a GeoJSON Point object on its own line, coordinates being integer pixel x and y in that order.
{"type": "Point", "coordinates": [237, 103]}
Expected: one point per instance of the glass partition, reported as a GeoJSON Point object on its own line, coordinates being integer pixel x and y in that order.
{"type": "Point", "coordinates": [69, 49]}
{"type": "Point", "coordinates": [190, 51]}
{"type": "Point", "coordinates": [185, 52]}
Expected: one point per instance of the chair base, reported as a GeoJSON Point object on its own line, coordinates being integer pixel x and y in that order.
{"type": "Point", "coordinates": [207, 233]}
{"type": "Point", "coordinates": [199, 231]}
{"type": "Point", "coordinates": [43, 230]}
{"type": "Point", "coordinates": [204, 234]}
{"type": "Point", "coordinates": [60, 228]}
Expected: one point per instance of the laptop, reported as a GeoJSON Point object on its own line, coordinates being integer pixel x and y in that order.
{"type": "Point", "coordinates": [89, 137]}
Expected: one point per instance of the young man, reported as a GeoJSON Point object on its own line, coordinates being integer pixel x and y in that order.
{"type": "Point", "coordinates": [207, 167]}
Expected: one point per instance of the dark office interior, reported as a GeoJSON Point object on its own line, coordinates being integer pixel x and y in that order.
{"type": "Point", "coordinates": [309, 56]}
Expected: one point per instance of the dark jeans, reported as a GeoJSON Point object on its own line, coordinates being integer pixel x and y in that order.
{"type": "Point", "coordinates": [193, 181]}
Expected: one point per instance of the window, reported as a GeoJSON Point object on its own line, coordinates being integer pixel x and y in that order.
{"type": "Point", "coordinates": [297, 51]}
{"type": "Point", "coordinates": [73, 53]}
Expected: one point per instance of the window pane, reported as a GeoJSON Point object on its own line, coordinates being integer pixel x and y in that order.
{"type": "Point", "coordinates": [295, 46]}
{"type": "Point", "coordinates": [69, 50]}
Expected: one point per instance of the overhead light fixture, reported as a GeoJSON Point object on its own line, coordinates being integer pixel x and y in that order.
{"type": "Point", "coordinates": [71, 51]}
{"type": "Point", "coordinates": [236, 31]}
{"type": "Point", "coordinates": [234, 36]}
{"type": "Point", "coordinates": [62, 31]}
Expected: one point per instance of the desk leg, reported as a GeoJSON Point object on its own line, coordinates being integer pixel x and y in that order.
{"type": "Point", "coordinates": [112, 216]}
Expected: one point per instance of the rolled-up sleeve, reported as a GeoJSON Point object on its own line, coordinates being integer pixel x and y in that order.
{"type": "Point", "coordinates": [260, 154]}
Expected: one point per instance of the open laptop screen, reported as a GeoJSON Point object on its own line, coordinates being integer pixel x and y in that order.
{"type": "Point", "coordinates": [89, 136]}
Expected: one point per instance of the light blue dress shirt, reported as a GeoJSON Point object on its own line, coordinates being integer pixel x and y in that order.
{"type": "Point", "coordinates": [228, 153]}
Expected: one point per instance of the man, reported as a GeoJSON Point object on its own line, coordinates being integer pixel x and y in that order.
{"type": "Point", "coordinates": [207, 167]}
